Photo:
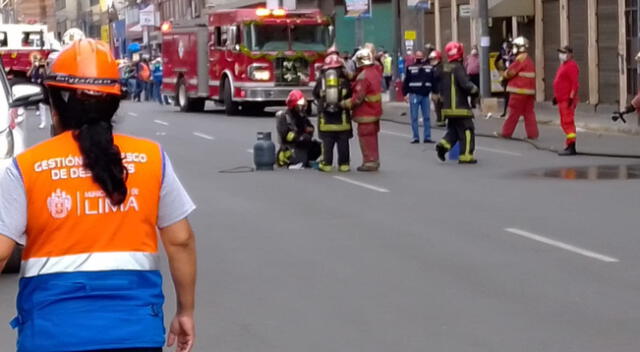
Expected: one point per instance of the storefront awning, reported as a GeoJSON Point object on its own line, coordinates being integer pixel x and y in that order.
{"type": "Point", "coordinates": [508, 8]}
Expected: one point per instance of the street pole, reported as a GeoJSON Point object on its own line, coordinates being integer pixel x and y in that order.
{"type": "Point", "coordinates": [359, 32]}
{"type": "Point", "coordinates": [485, 77]}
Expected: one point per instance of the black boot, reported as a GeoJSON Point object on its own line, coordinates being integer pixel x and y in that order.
{"type": "Point", "coordinates": [441, 150]}
{"type": "Point", "coordinates": [569, 150]}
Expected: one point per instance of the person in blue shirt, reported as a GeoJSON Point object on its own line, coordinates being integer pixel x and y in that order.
{"type": "Point", "coordinates": [156, 72]}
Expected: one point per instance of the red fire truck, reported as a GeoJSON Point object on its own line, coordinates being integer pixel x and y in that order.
{"type": "Point", "coordinates": [243, 58]}
{"type": "Point", "coordinates": [18, 42]}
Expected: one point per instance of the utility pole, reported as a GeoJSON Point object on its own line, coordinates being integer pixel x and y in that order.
{"type": "Point", "coordinates": [485, 42]}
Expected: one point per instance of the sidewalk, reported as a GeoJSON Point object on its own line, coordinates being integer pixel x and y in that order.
{"type": "Point", "coordinates": [597, 133]}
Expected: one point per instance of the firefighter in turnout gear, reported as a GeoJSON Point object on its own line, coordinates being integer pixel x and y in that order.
{"type": "Point", "coordinates": [521, 76]}
{"type": "Point", "coordinates": [435, 60]}
{"type": "Point", "coordinates": [334, 122]}
{"type": "Point", "coordinates": [366, 108]}
{"type": "Point", "coordinates": [297, 146]}
{"type": "Point", "coordinates": [455, 90]}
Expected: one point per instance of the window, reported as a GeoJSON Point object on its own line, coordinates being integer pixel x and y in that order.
{"type": "Point", "coordinates": [31, 39]}
{"type": "Point", "coordinates": [62, 27]}
{"type": "Point", "coordinates": [310, 37]}
{"type": "Point", "coordinates": [269, 37]}
{"type": "Point", "coordinates": [221, 39]}
{"type": "Point", "coordinates": [4, 42]}
{"type": "Point", "coordinates": [61, 4]}
{"type": "Point", "coordinates": [94, 2]}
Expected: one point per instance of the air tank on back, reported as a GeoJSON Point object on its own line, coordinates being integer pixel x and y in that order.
{"type": "Point", "coordinates": [264, 152]}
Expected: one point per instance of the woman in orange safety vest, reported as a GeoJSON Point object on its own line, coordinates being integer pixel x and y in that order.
{"type": "Point", "coordinates": [87, 205]}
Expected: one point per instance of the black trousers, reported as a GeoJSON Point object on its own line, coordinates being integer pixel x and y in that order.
{"type": "Point", "coordinates": [329, 140]}
{"type": "Point", "coordinates": [438, 109]}
{"type": "Point", "coordinates": [462, 131]}
{"type": "Point", "coordinates": [306, 152]}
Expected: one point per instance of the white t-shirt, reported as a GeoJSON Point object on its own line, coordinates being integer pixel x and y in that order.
{"type": "Point", "coordinates": [175, 204]}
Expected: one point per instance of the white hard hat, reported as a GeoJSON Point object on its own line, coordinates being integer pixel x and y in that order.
{"type": "Point", "coordinates": [521, 43]}
{"type": "Point", "coordinates": [72, 35]}
{"type": "Point", "coordinates": [364, 57]}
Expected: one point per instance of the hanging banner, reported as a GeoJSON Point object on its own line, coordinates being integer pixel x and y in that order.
{"type": "Point", "coordinates": [358, 8]}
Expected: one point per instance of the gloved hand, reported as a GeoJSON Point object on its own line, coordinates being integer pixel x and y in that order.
{"type": "Point", "coordinates": [436, 98]}
{"type": "Point", "coordinates": [345, 104]}
{"type": "Point", "coordinates": [554, 101]}
{"type": "Point", "coordinates": [305, 138]}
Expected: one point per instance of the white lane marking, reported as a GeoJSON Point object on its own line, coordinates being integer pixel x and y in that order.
{"type": "Point", "coordinates": [161, 133]}
{"type": "Point", "coordinates": [499, 151]}
{"type": "Point", "coordinates": [362, 184]}
{"type": "Point", "coordinates": [565, 246]}
{"type": "Point", "coordinates": [160, 122]}
{"type": "Point", "coordinates": [250, 151]}
{"type": "Point", "coordinates": [202, 135]}
{"type": "Point", "coordinates": [133, 114]}
{"type": "Point", "coordinates": [396, 134]}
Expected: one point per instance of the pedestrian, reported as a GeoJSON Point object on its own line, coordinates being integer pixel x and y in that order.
{"type": "Point", "coordinates": [295, 131]}
{"type": "Point", "coordinates": [502, 62]}
{"type": "Point", "coordinates": [521, 75]}
{"type": "Point", "coordinates": [37, 73]}
{"type": "Point", "coordinates": [409, 58]}
{"type": "Point", "coordinates": [416, 89]}
{"type": "Point", "coordinates": [366, 109]}
{"type": "Point", "coordinates": [633, 106]}
{"type": "Point", "coordinates": [144, 79]}
{"type": "Point", "coordinates": [565, 91]}
{"type": "Point", "coordinates": [157, 80]}
{"type": "Point", "coordinates": [88, 205]}
{"type": "Point", "coordinates": [472, 66]}
{"type": "Point", "coordinates": [387, 61]}
{"type": "Point", "coordinates": [455, 89]}
{"type": "Point", "coordinates": [334, 122]}
{"type": "Point", "coordinates": [401, 67]}
{"type": "Point", "coordinates": [435, 60]}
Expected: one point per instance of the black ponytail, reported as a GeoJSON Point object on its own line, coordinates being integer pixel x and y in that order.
{"type": "Point", "coordinates": [89, 116]}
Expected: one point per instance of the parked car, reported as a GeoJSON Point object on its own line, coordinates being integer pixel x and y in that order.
{"type": "Point", "coordinates": [13, 99]}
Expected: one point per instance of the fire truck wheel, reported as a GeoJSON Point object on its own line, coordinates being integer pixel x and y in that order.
{"type": "Point", "coordinates": [185, 103]}
{"type": "Point", "coordinates": [230, 106]}
{"type": "Point", "coordinates": [13, 264]}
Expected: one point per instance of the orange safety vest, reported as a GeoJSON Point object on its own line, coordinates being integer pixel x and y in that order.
{"type": "Point", "coordinates": [522, 76]}
{"type": "Point", "coordinates": [77, 239]}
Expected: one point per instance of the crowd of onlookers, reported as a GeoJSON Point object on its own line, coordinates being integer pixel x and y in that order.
{"type": "Point", "coordinates": [142, 79]}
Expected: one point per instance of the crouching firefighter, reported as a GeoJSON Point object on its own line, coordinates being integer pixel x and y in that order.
{"type": "Point", "coordinates": [366, 107]}
{"type": "Point", "coordinates": [295, 131]}
{"type": "Point", "coordinates": [334, 121]}
{"type": "Point", "coordinates": [455, 89]}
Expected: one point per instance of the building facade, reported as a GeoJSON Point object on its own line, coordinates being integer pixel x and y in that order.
{"type": "Point", "coordinates": [36, 11]}
{"type": "Point", "coordinates": [605, 36]}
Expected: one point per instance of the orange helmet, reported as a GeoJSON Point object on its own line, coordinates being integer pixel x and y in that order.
{"type": "Point", "coordinates": [86, 64]}
{"type": "Point", "coordinates": [455, 51]}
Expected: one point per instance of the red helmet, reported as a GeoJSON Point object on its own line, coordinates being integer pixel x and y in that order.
{"type": "Point", "coordinates": [296, 98]}
{"type": "Point", "coordinates": [454, 51]}
{"type": "Point", "coordinates": [435, 55]}
{"type": "Point", "coordinates": [332, 61]}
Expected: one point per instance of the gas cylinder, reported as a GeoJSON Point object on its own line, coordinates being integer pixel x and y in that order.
{"type": "Point", "coordinates": [264, 152]}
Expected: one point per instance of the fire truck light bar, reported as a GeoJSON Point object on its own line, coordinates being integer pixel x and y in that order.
{"type": "Point", "coordinates": [262, 12]}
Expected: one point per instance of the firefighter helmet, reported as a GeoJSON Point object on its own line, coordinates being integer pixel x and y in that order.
{"type": "Point", "coordinates": [455, 51]}
{"type": "Point", "coordinates": [87, 64]}
{"type": "Point", "coordinates": [364, 57]}
{"type": "Point", "coordinates": [520, 45]}
{"type": "Point", "coordinates": [296, 99]}
{"type": "Point", "coordinates": [435, 55]}
{"type": "Point", "coordinates": [71, 35]}
{"type": "Point", "coordinates": [332, 61]}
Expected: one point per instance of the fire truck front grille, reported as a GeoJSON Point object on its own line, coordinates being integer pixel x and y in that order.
{"type": "Point", "coordinates": [291, 72]}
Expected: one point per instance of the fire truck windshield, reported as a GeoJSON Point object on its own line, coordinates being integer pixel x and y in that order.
{"type": "Point", "coordinates": [272, 37]}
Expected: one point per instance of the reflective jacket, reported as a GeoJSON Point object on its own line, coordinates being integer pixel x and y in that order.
{"type": "Point", "coordinates": [418, 80]}
{"type": "Point", "coordinates": [293, 128]}
{"type": "Point", "coordinates": [332, 118]}
{"type": "Point", "coordinates": [90, 278]}
{"type": "Point", "coordinates": [366, 100]}
{"type": "Point", "coordinates": [455, 90]}
{"type": "Point", "coordinates": [522, 76]}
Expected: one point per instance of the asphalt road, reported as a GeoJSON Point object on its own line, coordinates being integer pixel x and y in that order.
{"type": "Point", "coordinates": [422, 256]}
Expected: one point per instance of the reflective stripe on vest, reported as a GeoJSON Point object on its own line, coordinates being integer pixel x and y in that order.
{"type": "Point", "coordinates": [454, 111]}
{"type": "Point", "coordinates": [374, 98]}
{"type": "Point", "coordinates": [344, 124]}
{"type": "Point", "coordinates": [522, 91]}
{"type": "Point", "coordinates": [366, 119]}
{"type": "Point", "coordinates": [527, 74]}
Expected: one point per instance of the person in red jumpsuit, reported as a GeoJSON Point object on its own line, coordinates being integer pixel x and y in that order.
{"type": "Point", "coordinates": [366, 107]}
{"type": "Point", "coordinates": [565, 89]}
{"type": "Point", "coordinates": [521, 75]}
